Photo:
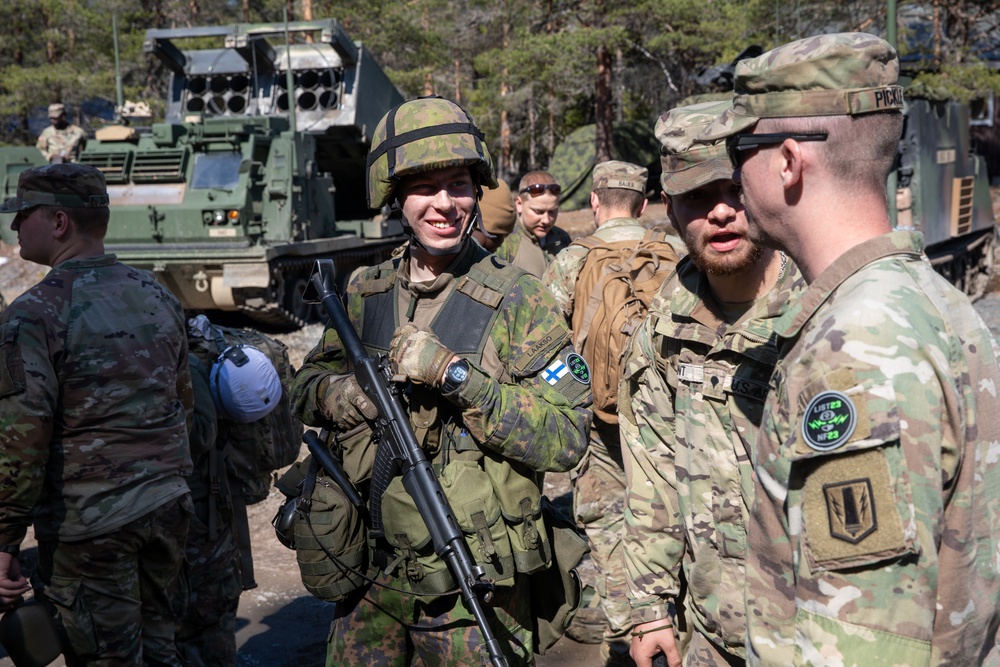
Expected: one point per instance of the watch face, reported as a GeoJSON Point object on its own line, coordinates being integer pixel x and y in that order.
{"type": "Point", "coordinates": [458, 371]}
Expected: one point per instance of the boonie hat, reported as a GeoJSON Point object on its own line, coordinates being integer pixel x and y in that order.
{"type": "Point", "coordinates": [56, 110]}
{"type": "Point", "coordinates": [497, 209]}
{"type": "Point", "coordinates": [623, 175]}
{"type": "Point", "coordinates": [849, 73]}
{"type": "Point", "coordinates": [64, 184]}
{"type": "Point", "coordinates": [687, 161]}
{"type": "Point", "coordinates": [245, 385]}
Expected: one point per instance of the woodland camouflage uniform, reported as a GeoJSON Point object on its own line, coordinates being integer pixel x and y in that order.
{"type": "Point", "coordinates": [873, 534]}
{"type": "Point", "coordinates": [94, 386]}
{"type": "Point", "coordinates": [691, 401]}
{"type": "Point", "coordinates": [599, 480]}
{"type": "Point", "coordinates": [520, 407]}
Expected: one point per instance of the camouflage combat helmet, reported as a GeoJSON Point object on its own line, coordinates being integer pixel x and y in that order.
{"type": "Point", "coordinates": [420, 135]}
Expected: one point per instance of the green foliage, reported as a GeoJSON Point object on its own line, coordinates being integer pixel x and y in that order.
{"type": "Point", "coordinates": [956, 82]}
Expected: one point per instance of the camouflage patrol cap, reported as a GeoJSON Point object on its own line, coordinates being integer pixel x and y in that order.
{"type": "Point", "coordinates": [420, 135]}
{"type": "Point", "coordinates": [56, 110]}
{"type": "Point", "coordinates": [849, 73]}
{"type": "Point", "coordinates": [623, 175]}
{"type": "Point", "coordinates": [687, 161]}
{"type": "Point", "coordinates": [497, 209]}
{"type": "Point", "coordinates": [64, 184]}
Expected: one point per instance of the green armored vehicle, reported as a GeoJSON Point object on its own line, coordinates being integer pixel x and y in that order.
{"type": "Point", "coordinates": [256, 170]}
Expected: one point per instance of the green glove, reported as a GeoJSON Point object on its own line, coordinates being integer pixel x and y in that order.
{"type": "Point", "coordinates": [418, 356]}
{"type": "Point", "coordinates": [346, 405]}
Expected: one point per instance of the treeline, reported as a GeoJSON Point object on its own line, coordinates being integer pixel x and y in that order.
{"type": "Point", "coordinates": [530, 72]}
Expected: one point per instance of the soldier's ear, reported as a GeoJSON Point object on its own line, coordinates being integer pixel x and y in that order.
{"type": "Point", "coordinates": [60, 224]}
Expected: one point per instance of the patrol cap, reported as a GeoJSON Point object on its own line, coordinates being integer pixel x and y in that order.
{"type": "Point", "coordinates": [623, 175]}
{"type": "Point", "coordinates": [842, 74]}
{"type": "Point", "coordinates": [63, 184]}
{"type": "Point", "coordinates": [687, 161]}
{"type": "Point", "coordinates": [56, 110]}
{"type": "Point", "coordinates": [497, 209]}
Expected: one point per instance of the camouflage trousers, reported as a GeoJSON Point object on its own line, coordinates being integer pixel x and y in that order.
{"type": "Point", "coordinates": [209, 592]}
{"type": "Point", "coordinates": [379, 626]}
{"type": "Point", "coordinates": [112, 596]}
{"type": "Point", "coordinates": [701, 652]}
{"type": "Point", "coordinates": [598, 506]}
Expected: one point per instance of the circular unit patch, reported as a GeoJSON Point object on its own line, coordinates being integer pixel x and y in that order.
{"type": "Point", "coordinates": [829, 420]}
{"type": "Point", "coordinates": [578, 368]}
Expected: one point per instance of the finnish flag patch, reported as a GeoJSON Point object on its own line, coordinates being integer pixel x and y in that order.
{"type": "Point", "coordinates": [555, 371]}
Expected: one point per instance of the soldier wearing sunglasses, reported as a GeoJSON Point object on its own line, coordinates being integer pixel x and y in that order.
{"type": "Point", "coordinates": [872, 536]}
{"type": "Point", "coordinates": [536, 240]}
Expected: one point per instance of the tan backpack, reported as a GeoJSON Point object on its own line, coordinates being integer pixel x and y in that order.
{"type": "Point", "coordinates": [612, 294]}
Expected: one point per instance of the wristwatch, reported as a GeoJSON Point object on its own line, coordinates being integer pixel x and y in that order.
{"type": "Point", "coordinates": [455, 376]}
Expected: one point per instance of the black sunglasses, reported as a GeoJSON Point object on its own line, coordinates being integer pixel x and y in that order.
{"type": "Point", "coordinates": [538, 189]}
{"type": "Point", "coordinates": [737, 144]}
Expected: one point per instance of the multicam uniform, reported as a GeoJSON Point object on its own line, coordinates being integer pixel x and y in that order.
{"type": "Point", "coordinates": [519, 407]}
{"type": "Point", "coordinates": [524, 250]}
{"type": "Point", "coordinates": [873, 534]}
{"type": "Point", "coordinates": [691, 401]}
{"type": "Point", "coordinates": [64, 143]}
{"type": "Point", "coordinates": [93, 389]}
{"type": "Point", "coordinates": [599, 480]}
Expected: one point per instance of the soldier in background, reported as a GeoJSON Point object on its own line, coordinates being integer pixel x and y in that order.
{"type": "Point", "coordinates": [94, 389]}
{"type": "Point", "coordinates": [61, 141]}
{"type": "Point", "coordinates": [873, 530]}
{"type": "Point", "coordinates": [536, 240]}
{"type": "Point", "coordinates": [498, 215]}
{"type": "Point", "coordinates": [690, 404]}
{"type": "Point", "coordinates": [618, 199]}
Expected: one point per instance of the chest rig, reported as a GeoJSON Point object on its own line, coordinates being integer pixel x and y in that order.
{"type": "Point", "coordinates": [497, 502]}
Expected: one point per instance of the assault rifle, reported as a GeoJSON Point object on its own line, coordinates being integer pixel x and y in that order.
{"type": "Point", "coordinates": [396, 441]}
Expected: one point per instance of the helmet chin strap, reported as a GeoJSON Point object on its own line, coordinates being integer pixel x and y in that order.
{"type": "Point", "coordinates": [477, 219]}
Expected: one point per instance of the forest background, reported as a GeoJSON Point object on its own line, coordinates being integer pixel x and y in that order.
{"type": "Point", "coordinates": [529, 71]}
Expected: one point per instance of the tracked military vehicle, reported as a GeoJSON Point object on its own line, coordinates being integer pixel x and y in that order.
{"type": "Point", "coordinates": [257, 170]}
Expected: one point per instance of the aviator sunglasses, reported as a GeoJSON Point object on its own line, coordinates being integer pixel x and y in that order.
{"type": "Point", "coordinates": [537, 189]}
{"type": "Point", "coordinates": [737, 144]}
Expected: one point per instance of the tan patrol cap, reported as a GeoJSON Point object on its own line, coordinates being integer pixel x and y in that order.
{"type": "Point", "coordinates": [497, 209]}
{"type": "Point", "coordinates": [687, 161]}
{"type": "Point", "coordinates": [842, 74]}
{"type": "Point", "coordinates": [617, 174]}
{"type": "Point", "coordinates": [56, 110]}
{"type": "Point", "coordinates": [62, 184]}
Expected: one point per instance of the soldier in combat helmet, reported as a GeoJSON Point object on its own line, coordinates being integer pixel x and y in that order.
{"type": "Point", "coordinates": [496, 392]}
{"type": "Point", "coordinates": [61, 141]}
{"type": "Point", "coordinates": [872, 537]}
{"type": "Point", "coordinates": [94, 392]}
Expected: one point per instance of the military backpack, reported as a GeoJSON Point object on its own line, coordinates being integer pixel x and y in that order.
{"type": "Point", "coordinates": [612, 295]}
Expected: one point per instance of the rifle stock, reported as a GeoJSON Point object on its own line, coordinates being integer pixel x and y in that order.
{"type": "Point", "coordinates": [395, 436]}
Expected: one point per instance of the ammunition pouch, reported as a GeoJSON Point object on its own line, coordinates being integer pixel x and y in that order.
{"type": "Point", "coordinates": [329, 535]}
{"type": "Point", "coordinates": [498, 511]}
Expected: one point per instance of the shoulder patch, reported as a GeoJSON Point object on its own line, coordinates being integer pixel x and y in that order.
{"type": "Point", "coordinates": [829, 421]}
{"type": "Point", "coordinates": [578, 368]}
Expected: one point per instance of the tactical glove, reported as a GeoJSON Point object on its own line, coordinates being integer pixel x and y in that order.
{"type": "Point", "coordinates": [346, 405]}
{"type": "Point", "coordinates": [418, 356]}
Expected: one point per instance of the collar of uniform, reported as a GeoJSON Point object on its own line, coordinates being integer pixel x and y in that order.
{"type": "Point", "coordinates": [691, 298]}
{"type": "Point", "coordinates": [459, 266]}
{"type": "Point", "coordinates": [87, 262]}
{"type": "Point", "coordinates": [615, 223]}
{"type": "Point", "coordinates": [845, 266]}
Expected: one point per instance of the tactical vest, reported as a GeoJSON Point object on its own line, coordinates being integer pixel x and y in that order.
{"type": "Point", "coordinates": [497, 501]}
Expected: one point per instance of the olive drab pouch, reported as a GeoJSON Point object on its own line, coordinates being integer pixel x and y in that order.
{"type": "Point", "coordinates": [557, 593]}
{"type": "Point", "coordinates": [478, 512]}
{"type": "Point", "coordinates": [521, 504]}
{"type": "Point", "coordinates": [330, 536]}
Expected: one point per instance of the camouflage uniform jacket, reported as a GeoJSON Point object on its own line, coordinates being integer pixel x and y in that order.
{"type": "Point", "coordinates": [66, 142]}
{"type": "Point", "coordinates": [561, 275]}
{"type": "Point", "coordinates": [94, 386]}
{"type": "Point", "coordinates": [874, 530]}
{"type": "Point", "coordinates": [691, 401]}
{"type": "Point", "coordinates": [506, 405]}
{"type": "Point", "coordinates": [523, 249]}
